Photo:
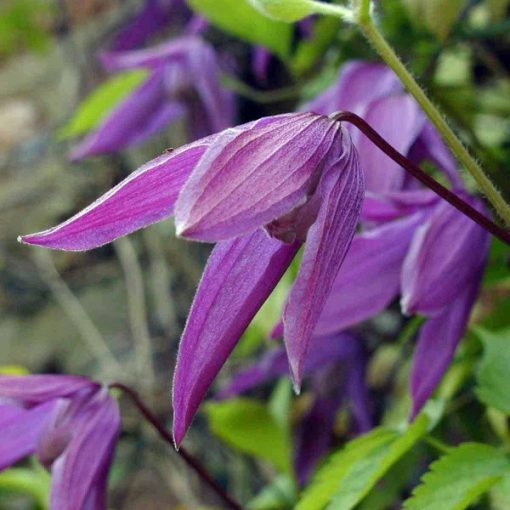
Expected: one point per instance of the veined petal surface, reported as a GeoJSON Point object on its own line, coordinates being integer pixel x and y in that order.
{"type": "Point", "coordinates": [238, 278]}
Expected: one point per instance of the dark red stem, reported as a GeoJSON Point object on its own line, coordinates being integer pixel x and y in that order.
{"type": "Point", "coordinates": [193, 463]}
{"type": "Point", "coordinates": [427, 180]}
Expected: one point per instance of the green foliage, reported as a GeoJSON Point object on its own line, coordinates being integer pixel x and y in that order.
{"type": "Point", "coordinates": [101, 102]}
{"type": "Point", "coordinates": [280, 494]}
{"type": "Point", "coordinates": [493, 382]}
{"type": "Point", "coordinates": [459, 478]}
{"type": "Point", "coordinates": [249, 426]}
{"type": "Point", "coordinates": [349, 475]}
{"type": "Point", "coordinates": [21, 26]}
{"type": "Point", "coordinates": [284, 10]}
{"type": "Point", "coordinates": [239, 18]}
{"type": "Point", "coordinates": [437, 15]}
{"type": "Point", "coordinates": [31, 482]}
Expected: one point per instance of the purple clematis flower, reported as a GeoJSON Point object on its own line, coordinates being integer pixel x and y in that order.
{"type": "Point", "coordinates": [375, 93]}
{"type": "Point", "coordinates": [336, 369]}
{"type": "Point", "coordinates": [71, 424]}
{"type": "Point", "coordinates": [261, 190]}
{"type": "Point", "coordinates": [184, 81]}
{"type": "Point", "coordinates": [155, 16]}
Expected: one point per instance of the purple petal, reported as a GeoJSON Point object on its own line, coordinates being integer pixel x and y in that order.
{"type": "Point", "coordinates": [399, 120]}
{"type": "Point", "coordinates": [35, 389]}
{"type": "Point", "coordinates": [217, 102]}
{"type": "Point", "coordinates": [174, 51]}
{"type": "Point", "coordinates": [437, 342]}
{"type": "Point", "coordinates": [152, 18]}
{"type": "Point", "coordinates": [393, 205]}
{"type": "Point", "coordinates": [274, 364]}
{"type": "Point", "coordinates": [21, 430]}
{"type": "Point", "coordinates": [341, 191]}
{"type": "Point", "coordinates": [369, 278]}
{"type": "Point", "coordinates": [430, 145]}
{"type": "Point", "coordinates": [145, 197]}
{"type": "Point", "coordinates": [239, 276]}
{"type": "Point", "coordinates": [358, 393]}
{"type": "Point", "coordinates": [251, 177]}
{"type": "Point", "coordinates": [359, 84]}
{"type": "Point", "coordinates": [84, 465]}
{"type": "Point", "coordinates": [444, 255]}
{"type": "Point", "coordinates": [261, 60]}
{"type": "Point", "coordinates": [145, 112]}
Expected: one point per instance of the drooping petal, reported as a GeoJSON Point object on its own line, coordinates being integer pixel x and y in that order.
{"type": "Point", "coordinates": [437, 343]}
{"type": "Point", "coordinates": [444, 255]}
{"type": "Point", "coordinates": [341, 190]}
{"type": "Point", "coordinates": [148, 195]}
{"type": "Point", "coordinates": [20, 432]}
{"type": "Point", "coordinates": [81, 468]}
{"type": "Point", "coordinates": [36, 389]}
{"type": "Point", "coordinates": [251, 177]}
{"type": "Point", "coordinates": [273, 364]}
{"type": "Point", "coordinates": [145, 112]}
{"type": "Point", "coordinates": [217, 102]}
{"type": "Point", "coordinates": [369, 278]}
{"type": "Point", "coordinates": [399, 120]}
{"type": "Point", "coordinates": [239, 276]}
{"type": "Point", "coordinates": [359, 84]}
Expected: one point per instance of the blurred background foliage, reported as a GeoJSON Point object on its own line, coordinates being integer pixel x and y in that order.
{"type": "Point", "coordinates": [58, 309]}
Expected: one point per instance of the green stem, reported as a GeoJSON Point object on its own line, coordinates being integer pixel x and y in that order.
{"type": "Point", "coordinates": [389, 56]}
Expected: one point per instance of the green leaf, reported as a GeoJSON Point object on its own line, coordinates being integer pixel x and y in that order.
{"type": "Point", "coordinates": [241, 19]}
{"type": "Point", "coordinates": [493, 382]}
{"type": "Point", "coordinates": [349, 475]}
{"type": "Point", "coordinates": [280, 494]}
{"type": "Point", "coordinates": [34, 483]}
{"type": "Point", "coordinates": [249, 426]}
{"type": "Point", "coordinates": [459, 478]}
{"type": "Point", "coordinates": [498, 8]}
{"type": "Point", "coordinates": [101, 102]}
{"type": "Point", "coordinates": [437, 15]}
{"type": "Point", "coordinates": [284, 10]}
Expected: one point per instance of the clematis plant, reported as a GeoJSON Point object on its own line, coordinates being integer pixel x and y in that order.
{"type": "Point", "coordinates": [71, 424]}
{"type": "Point", "coordinates": [260, 191]}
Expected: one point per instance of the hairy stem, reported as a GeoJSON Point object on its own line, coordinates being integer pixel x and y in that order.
{"type": "Point", "coordinates": [423, 177]}
{"type": "Point", "coordinates": [193, 463]}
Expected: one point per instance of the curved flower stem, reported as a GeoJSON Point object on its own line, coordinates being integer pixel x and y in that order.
{"type": "Point", "coordinates": [193, 463]}
{"type": "Point", "coordinates": [374, 36]}
{"type": "Point", "coordinates": [427, 180]}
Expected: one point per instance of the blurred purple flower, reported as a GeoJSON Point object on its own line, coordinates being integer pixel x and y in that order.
{"type": "Point", "coordinates": [71, 424]}
{"type": "Point", "coordinates": [375, 93]}
{"type": "Point", "coordinates": [336, 368]}
{"type": "Point", "coordinates": [261, 189]}
{"type": "Point", "coordinates": [184, 81]}
{"type": "Point", "coordinates": [155, 16]}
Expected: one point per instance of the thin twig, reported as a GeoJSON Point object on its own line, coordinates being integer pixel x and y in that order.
{"type": "Point", "coordinates": [427, 180]}
{"type": "Point", "coordinates": [193, 463]}
{"type": "Point", "coordinates": [76, 313]}
{"type": "Point", "coordinates": [137, 310]}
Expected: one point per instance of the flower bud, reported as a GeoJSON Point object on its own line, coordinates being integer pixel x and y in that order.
{"type": "Point", "coordinates": [284, 10]}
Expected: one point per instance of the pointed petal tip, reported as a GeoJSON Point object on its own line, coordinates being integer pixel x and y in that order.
{"type": "Point", "coordinates": [297, 388]}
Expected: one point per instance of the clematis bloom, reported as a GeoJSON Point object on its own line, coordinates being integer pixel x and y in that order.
{"type": "Point", "coordinates": [260, 191]}
{"type": "Point", "coordinates": [71, 424]}
{"type": "Point", "coordinates": [183, 81]}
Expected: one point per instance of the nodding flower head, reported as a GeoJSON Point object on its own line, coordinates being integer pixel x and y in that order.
{"type": "Point", "coordinates": [261, 191]}
{"type": "Point", "coordinates": [71, 424]}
